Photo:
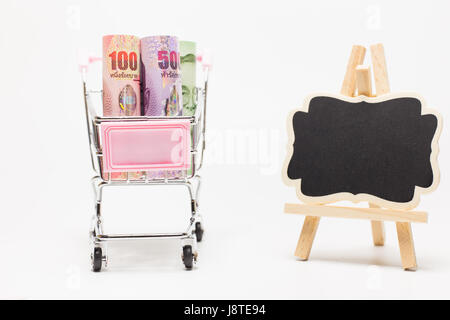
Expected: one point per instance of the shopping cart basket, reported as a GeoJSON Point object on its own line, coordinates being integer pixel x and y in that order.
{"type": "Point", "coordinates": [158, 144]}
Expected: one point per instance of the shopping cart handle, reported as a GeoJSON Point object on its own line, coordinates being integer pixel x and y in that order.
{"type": "Point", "coordinates": [205, 58]}
{"type": "Point", "coordinates": [84, 60]}
{"type": "Point", "coordinates": [93, 59]}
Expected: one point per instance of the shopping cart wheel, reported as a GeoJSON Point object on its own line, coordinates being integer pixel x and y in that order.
{"type": "Point", "coordinates": [188, 257]}
{"type": "Point", "coordinates": [199, 231]}
{"type": "Point", "coordinates": [97, 259]}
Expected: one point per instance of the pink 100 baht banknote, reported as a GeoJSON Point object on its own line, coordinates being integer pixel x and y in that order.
{"type": "Point", "coordinates": [121, 85]}
{"type": "Point", "coordinates": [121, 71]}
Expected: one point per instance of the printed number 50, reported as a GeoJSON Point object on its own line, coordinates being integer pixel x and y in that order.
{"type": "Point", "coordinates": [165, 58]}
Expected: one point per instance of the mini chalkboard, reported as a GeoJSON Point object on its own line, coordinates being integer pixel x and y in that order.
{"type": "Point", "coordinates": [381, 149]}
{"type": "Point", "coordinates": [363, 148]}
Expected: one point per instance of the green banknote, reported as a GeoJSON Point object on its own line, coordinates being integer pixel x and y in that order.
{"type": "Point", "coordinates": [188, 76]}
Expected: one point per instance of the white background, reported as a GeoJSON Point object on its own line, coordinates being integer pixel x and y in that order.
{"type": "Point", "coordinates": [268, 55]}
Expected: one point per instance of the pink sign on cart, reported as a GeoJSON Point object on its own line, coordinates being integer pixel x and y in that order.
{"type": "Point", "coordinates": [146, 145]}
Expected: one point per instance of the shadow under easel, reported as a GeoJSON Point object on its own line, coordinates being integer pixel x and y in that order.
{"type": "Point", "coordinates": [385, 256]}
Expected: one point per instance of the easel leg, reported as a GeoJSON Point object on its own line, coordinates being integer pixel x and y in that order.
{"type": "Point", "coordinates": [406, 244]}
{"type": "Point", "coordinates": [307, 237]}
{"type": "Point", "coordinates": [378, 233]}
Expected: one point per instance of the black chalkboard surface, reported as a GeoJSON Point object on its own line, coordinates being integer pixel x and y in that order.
{"type": "Point", "coordinates": [364, 149]}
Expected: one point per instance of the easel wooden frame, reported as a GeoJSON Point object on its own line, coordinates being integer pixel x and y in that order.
{"type": "Point", "coordinates": [359, 77]}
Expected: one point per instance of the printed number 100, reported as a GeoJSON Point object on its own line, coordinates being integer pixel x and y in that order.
{"type": "Point", "coordinates": [123, 60]}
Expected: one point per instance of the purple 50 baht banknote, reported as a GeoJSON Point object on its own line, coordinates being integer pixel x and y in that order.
{"type": "Point", "coordinates": [161, 76]}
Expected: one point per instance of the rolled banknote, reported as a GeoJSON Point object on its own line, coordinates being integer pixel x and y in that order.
{"type": "Point", "coordinates": [161, 85]}
{"type": "Point", "coordinates": [188, 54]}
{"type": "Point", "coordinates": [188, 76]}
{"type": "Point", "coordinates": [161, 76]}
{"type": "Point", "coordinates": [121, 88]}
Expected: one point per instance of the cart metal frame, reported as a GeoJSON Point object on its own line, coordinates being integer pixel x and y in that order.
{"type": "Point", "coordinates": [192, 182]}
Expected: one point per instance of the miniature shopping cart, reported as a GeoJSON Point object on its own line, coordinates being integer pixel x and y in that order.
{"type": "Point", "coordinates": [163, 151]}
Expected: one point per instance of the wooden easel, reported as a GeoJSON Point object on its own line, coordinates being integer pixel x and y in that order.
{"type": "Point", "coordinates": [359, 77]}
